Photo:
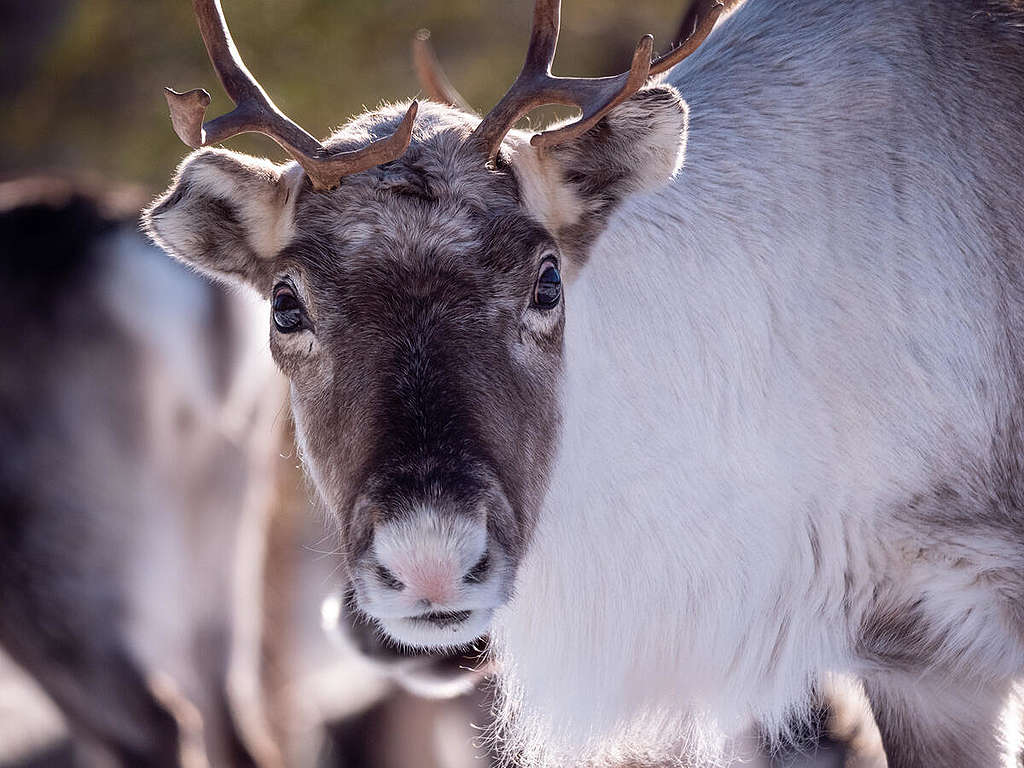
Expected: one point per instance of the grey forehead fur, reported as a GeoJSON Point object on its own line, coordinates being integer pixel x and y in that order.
{"type": "Point", "coordinates": [439, 199]}
{"type": "Point", "coordinates": [441, 164]}
{"type": "Point", "coordinates": [446, 168]}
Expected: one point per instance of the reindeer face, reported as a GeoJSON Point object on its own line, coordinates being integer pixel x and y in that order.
{"type": "Point", "coordinates": [418, 312]}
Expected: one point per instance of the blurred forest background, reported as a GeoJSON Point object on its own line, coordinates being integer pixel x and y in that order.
{"type": "Point", "coordinates": [80, 80]}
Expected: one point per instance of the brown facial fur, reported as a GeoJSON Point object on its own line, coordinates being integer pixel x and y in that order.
{"type": "Point", "coordinates": [427, 373]}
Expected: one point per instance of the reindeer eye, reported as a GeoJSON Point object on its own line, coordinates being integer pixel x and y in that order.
{"type": "Point", "coordinates": [548, 290]}
{"type": "Point", "coordinates": [289, 315]}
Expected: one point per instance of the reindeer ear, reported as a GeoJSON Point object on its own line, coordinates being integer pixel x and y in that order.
{"type": "Point", "coordinates": [573, 187]}
{"type": "Point", "coordinates": [227, 214]}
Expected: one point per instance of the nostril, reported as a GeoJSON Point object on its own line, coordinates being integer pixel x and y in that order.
{"type": "Point", "coordinates": [478, 572]}
{"type": "Point", "coordinates": [388, 578]}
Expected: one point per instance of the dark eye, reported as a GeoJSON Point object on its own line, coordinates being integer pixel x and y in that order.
{"type": "Point", "coordinates": [289, 316]}
{"type": "Point", "coordinates": [549, 286]}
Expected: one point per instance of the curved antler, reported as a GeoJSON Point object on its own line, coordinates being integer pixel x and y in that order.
{"type": "Point", "coordinates": [698, 23]}
{"type": "Point", "coordinates": [595, 96]}
{"type": "Point", "coordinates": [255, 113]}
{"type": "Point", "coordinates": [431, 76]}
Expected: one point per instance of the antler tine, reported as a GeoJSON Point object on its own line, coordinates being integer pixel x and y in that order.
{"type": "Point", "coordinates": [535, 86]}
{"type": "Point", "coordinates": [255, 113]}
{"type": "Point", "coordinates": [600, 95]}
{"type": "Point", "coordinates": [431, 76]}
{"type": "Point", "coordinates": [529, 89]}
{"type": "Point", "coordinates": [698, 23]}
{"type": "Point", "coordinates": [595, 97]}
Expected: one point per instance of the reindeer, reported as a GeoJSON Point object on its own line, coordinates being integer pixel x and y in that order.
{"type": "Point", "coordinates": [137, 415]}
{"type": "Point", "coordinates": [684, 439]}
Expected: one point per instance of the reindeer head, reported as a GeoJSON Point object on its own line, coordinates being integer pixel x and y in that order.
{"type": "Point", "coordinates": [418, 266]}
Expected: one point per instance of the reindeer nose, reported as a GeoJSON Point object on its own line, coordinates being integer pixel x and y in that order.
{"type": "Point", "coordinates": [433, 585]}
{"type": "Point", "coordinates": [433, 571]}
{"type": "Point", "coordinates": [429, 558]}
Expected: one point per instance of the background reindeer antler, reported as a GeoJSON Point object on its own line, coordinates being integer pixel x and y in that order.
{"type": "Point", "coordinates": [431, 76]}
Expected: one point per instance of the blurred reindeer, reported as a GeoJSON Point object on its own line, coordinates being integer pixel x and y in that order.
{"type": "Point", "coordinates": [138, 418]}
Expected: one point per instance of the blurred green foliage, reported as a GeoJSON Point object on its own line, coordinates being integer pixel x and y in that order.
{"type": "Point", "coordinates": [80, 80]}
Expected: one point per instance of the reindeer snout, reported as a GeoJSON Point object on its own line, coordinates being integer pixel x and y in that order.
{"type": "Point", "coordinates": [430, 558]}
{"type": "Point", "coordinates": [424, 673]}
{"type": "Point", "coordinates": [432, 579]}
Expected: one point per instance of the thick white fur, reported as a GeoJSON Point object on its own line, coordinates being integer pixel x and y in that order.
{"type": "Point", "coordinates": [759, 345]}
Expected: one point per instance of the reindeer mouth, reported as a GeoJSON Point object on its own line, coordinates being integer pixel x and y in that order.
{"type": "Point", "coordinates": [442, 619]}
{"type": "Point", "coordinates": [438, 631]}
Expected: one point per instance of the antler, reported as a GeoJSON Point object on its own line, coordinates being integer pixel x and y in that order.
{"type": "Point", "coordinates": [595, 96]}
{"type": "Point", "coordinates": [694, 29]}
{"type": "Point", "coordinates": [255, 113]}
{"type": "Point", "coordinates": [431, 76]}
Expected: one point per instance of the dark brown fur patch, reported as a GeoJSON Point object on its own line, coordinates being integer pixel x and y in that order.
{"type": "Point", "coordinates": [419, 276]}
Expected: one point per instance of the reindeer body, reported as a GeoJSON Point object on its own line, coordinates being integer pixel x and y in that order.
{"type": "Point", "coordinates": [792, 406]}
{"type": "Point", "coordinates": [787, 382]}
{"type": "Point", "coordinates": [138, 447]}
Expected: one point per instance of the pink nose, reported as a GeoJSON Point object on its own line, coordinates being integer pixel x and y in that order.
{"type": "Point", "coordinates": [435, 582]}
{"type": "Point", "coordinates": [431, 559]}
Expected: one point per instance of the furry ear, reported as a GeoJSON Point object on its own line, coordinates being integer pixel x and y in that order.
{"type": "Point", "coordinates": [227, 214]}
{"type": "Point", "coordinates": [572, 188]}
